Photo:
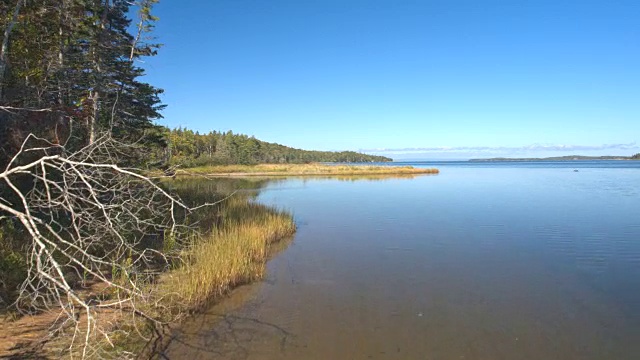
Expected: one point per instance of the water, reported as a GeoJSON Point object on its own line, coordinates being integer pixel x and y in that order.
{"type": "Point", "coordinates": [483, 261]}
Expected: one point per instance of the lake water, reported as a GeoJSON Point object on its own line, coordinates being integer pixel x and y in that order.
{"type": "Point", "coordinates": [483, 261]}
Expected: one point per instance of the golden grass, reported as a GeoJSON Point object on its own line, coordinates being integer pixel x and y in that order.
{"type": "Point", "coordinates": [233, 253]}
{"type": "Point", "coordinates": [303, 170]}
{"type": "Point", "coordinates": [230, 256]}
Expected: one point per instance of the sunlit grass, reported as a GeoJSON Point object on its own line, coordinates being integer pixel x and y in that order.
{"type": "Point", "coordinates": [232, 255]}
{"type": "Point", "coordinates": [304, 169]}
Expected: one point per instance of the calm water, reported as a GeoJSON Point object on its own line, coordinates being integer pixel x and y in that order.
{"type": "Point", "coordinates": [483, 261]}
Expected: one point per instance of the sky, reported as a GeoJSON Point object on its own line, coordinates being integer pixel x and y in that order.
{"type": "Point", "coordinates": [446, 79]}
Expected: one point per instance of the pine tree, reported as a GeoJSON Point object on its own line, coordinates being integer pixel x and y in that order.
{"type": "Point", "coordinates": [69, 72]}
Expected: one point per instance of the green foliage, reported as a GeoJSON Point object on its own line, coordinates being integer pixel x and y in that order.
{"type": "Point", "coordinates": [78, 60]}
{"type": "Point", "coordinates": [636, 156]}
{"type": "Point", "coordinates": [191, 149]}
{"type": "Point", "coordinates": [13, 264]}
{"type": "Point", "coordinates": [71, 73]}
{"type": "Point", "coordinates": [169, 243]}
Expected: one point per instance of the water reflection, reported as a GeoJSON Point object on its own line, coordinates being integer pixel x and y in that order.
{"type": "Point", "coordinates": [197, 189]}
{"type": "Point", "coordinates": [232, 333]}
{"type": "Point", "coordinates": [230, 337]}
{"type": "Point", "coordinates": [354, 178]}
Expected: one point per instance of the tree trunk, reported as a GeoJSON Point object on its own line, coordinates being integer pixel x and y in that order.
{"type": "Point", "coordinates": [93, 126]}
{"type": "Point", "coordinates": [4, 50]}
{"type": "Point", "coordinates": [95, 98]}
{"type": "Point", "coordinates": [61, 65]}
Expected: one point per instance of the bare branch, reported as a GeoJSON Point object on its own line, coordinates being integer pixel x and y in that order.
{"type": "Point", "coordinates": [87, 217]}
{"type": "Point", "coordinates": [13, 110]}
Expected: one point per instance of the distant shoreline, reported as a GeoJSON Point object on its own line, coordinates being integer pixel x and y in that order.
{"type": "Point", "coordinates": [557, 158]}
{"type": "Point", "coordinates": [314, 169]}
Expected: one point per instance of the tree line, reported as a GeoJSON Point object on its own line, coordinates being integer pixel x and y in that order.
{"type": "Point", "coordinates": [188, 148]}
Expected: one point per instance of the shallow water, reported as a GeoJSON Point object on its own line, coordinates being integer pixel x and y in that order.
{"type": "Point", "coordinates": [483, 261]}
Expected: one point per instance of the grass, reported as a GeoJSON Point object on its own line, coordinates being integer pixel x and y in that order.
{"type": "Point", "coordinates": [232, 255]}
{"type": "Point", "coordinates": [302, 170]}
{"type": "Point", "coordinates": [225, 253]}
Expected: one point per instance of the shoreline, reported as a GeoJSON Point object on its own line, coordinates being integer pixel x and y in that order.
{"type": "Point", "coordinates": [213, 264]}
{"type": "Point", "coordinates": [254, 229]}
{"type": "Point", "coordinates": [281, 170]}
{"type": "Point", "coordinates": [556, 159]}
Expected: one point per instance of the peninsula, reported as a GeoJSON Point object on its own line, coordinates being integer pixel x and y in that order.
{"type": "Point", "coordinates": [312, 169]}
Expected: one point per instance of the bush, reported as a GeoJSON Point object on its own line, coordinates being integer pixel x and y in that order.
{"type": "Point", "coordinates": [13, 265]}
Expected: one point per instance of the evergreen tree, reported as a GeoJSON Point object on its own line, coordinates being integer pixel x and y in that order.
{"type": "Point", "coordinates": [193, 149]}
{"type": "Point", "coordinates": [69, 73]}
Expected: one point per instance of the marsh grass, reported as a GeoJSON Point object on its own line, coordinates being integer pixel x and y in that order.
{"type": "Point", "coordinates": [302, 169]}
{"type": "Point", "coordinates": [229, 256]}
{"type": "Point", "coordinates": [219, 256]}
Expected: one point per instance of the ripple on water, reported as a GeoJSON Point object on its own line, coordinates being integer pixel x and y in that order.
{"type": "Point", "coordinates": [595, 252]}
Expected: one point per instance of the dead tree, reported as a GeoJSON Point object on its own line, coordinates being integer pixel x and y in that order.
{"type": "Point", "coordinates": [87, 217]}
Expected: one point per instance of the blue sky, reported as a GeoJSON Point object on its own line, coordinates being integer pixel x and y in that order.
{"type": "Point", "coordinates": [414, 79]}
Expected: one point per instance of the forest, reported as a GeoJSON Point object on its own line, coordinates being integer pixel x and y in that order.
{"type": "Point", "coordinates": [189, 148]}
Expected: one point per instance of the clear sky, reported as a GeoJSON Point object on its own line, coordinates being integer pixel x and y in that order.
{"type": "Point", "coordinates": [418, 78]}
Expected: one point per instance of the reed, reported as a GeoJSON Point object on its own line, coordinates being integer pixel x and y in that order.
{"type": "Point", "coordinates": [303, 169]}
{"type": "Point", "coordinates": [232, 253]}
{"type": "Point", "coordinates": [229, 256]}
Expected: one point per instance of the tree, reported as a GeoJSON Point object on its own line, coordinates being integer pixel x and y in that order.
{"type": "Point", "coordinates": [4, 49]}
{"type": "Point", "coordinates": [189, 148]}
{"type": "Point", "coordinates": [73, 115]}
{"type": "Point", "coordinates": [71, 74]}
{"type": "Point", "coordinates": [86, 217]}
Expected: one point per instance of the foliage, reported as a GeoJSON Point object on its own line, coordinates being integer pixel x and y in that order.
{"type": "Point", "coordinates": [83, 218]}
{"type": "Point", "coordinates": [74, 115]}
{"type": "Point", "coordinates": [636, 156]}
{"type": "Point", "coordinates": [69, 73]}
{"type": "Point", "coordinates": [13, 263]}
{"type": "Point", "coordinates": [190, 149]}
{"type": "Point", "coordinates": [233, 254]}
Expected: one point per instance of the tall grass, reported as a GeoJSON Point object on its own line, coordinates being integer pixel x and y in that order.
{"type": "Point", "coordinates": [305, 169]}
{"type": "Point", "coordinates": [229, 245]}
{"type": "Point", "coordinates": [231, 255]}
